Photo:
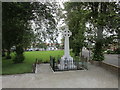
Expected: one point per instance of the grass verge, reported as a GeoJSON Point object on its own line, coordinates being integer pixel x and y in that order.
{"type": "Point", "coordinates": [8, 67]}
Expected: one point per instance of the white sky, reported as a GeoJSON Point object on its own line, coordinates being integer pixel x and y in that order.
{"type": "Point", "coordinates": [61, 22]}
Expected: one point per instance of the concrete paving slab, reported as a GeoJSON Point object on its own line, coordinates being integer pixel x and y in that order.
{"type": "Point", "coordinates": [43, 68]}
{"type": "Point", "coordinates": [95, 77]}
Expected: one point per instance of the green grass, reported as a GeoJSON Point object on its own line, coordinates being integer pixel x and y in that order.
{"type": "Point", "coordinates": [8, 67]}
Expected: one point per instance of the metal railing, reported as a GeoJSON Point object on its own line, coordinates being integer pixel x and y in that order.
{"type": "Point", "coordinates": [79, 63]}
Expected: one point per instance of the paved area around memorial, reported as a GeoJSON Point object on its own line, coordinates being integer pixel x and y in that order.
{"type": "Point", "coordinates": [95, 77]}
{"type": "Point", "coordinates": [44, 69]}
{"type": "Point", "coordinates": [111, 59]}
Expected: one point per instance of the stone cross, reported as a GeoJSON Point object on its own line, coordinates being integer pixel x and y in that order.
{"type": "Point", "coordinates": [66, 34]}
{"type": "Point", "coordinates": [66, 60]}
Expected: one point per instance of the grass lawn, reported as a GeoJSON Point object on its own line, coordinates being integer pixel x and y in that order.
{"type": "Point", "coordinates": [9, 68]}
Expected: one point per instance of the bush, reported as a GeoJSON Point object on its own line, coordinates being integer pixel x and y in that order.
{"type": "Point", "coordinates": [98, 52]}
{"type": "Point", "coordinates": [8, 57]}
{"type": "Point", "coordinates": [3, 53]}
{"type": "Point", "coordinates": [117, 51]}
{"type": "Point", "coordinates": [19, 58]}
{"type": "Point", "coordinates": [110, 52]}
{"type": "Point", "coordinates": [98, 57]}
{"type": "Point", "coordinates": [76, 58]}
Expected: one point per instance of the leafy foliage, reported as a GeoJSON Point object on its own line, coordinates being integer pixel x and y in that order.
{"type": "Point", "coordinates": [90, 21]}
{"type": "Point", "coordinates": [98, 52]}
{"type": "Point", "coordinates": [76, 22]}
{"type": "Point", "coordinates": [18, 21]}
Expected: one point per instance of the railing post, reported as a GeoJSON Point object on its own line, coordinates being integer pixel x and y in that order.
{"type": "Point", "coordinates": [50, 61]}
{"type": "Point", "coordinates": [54, 64]}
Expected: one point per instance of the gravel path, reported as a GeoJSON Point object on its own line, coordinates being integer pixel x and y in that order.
{"type": "Point", "coordinates": [95, 77]}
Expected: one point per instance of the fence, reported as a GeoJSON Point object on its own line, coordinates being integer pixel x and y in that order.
{"type": "Point", "coordinates": [79, 63]}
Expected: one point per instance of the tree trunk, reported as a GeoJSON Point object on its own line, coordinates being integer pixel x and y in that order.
{"type": "Point", "coordinates": [98, 52]}
{"type": "Point", "coordinates": [100, 33]}
{"type": "Point", "coordinates": [81, 53]}
{"type": "Point", "coordinates": [8, 54]}
{"type": "Point", "coordinates": [3, 52]}
{"type": "Point", "coordinates": [19, 58]}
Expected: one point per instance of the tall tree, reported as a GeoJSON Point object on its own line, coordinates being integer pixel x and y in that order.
{"type": "Point", "coordinates": [16, 26]}
{"type": "Point", "coordinates": [103, 16]}
{"type": "Point", "coordinates": [18, 19]}
{"type": "Point", "coordinates": [76, 18]}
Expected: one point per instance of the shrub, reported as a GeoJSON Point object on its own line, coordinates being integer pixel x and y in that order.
{"type": "Point", "coordinates": [3, 53]}
{"type": "Point", "coordinates": [117, 51]}
{"type": "Point", "coordinates": [76, 58]}
{"type": "Point", "coordinates": [19, 58]}
{"type": "Point", "coordinates": [8, 57]}
{"type": "Point", "coordinates": [98, 52]}
{"type": "Point", "coordinates": [110, 52]}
